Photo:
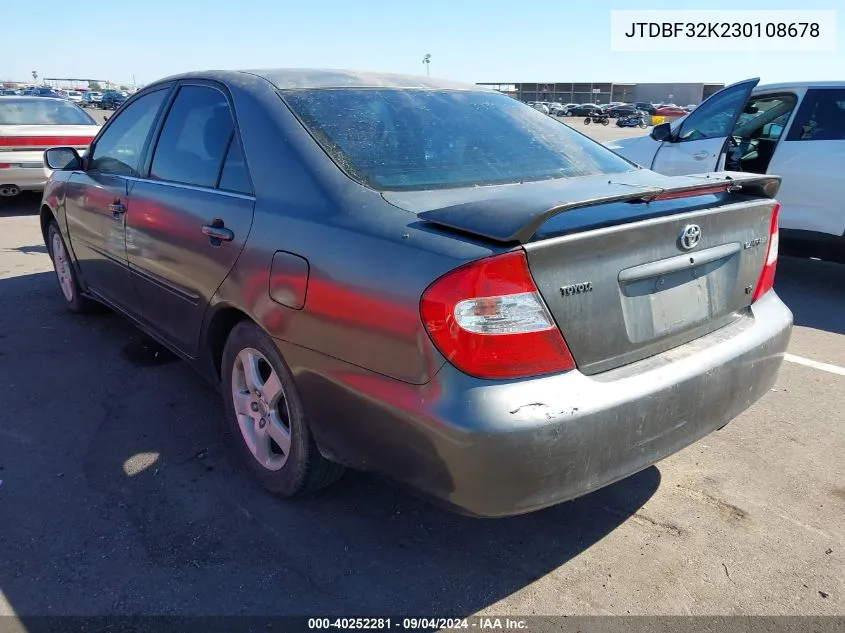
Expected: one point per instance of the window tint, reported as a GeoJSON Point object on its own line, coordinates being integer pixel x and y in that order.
{"type": "Point", "coordinates": [235, 176]}
{"type": "Point", "coordinates": [821, 116]}
{"type": "Point", "coordinates": [715, 117]}
{"type": "Point", "coordinates": [396, 139]}
{"type": "Point", "coordinates": [194, 138]}
{"type": "Point", "coordinates": [118, 150]}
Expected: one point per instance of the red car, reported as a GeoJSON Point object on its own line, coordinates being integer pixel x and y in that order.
{"type": "Point", "coordinates": [669, 111]}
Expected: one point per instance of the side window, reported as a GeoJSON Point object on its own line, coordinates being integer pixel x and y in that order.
{"type": "Point", "coordinates": [235, 176]}
{"type": "Point", "coordinates": [821, 116]}
{"type": "Point", "coordinates": [118, 150]}
{"type": "Point", "coordinates": [194, 138]}
{"type": "Point", "coordinates": [715, 117]}
{"type": "Point", "coordinates": [764, 117]}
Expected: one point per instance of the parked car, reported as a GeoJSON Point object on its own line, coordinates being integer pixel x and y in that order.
{"type": "Point", "coordinates": [410, 298]}
{"type": "Point", "coordinates": [28, 126]}
{"type": "Point", "coordinates": [646, 107]}
{"type": "Point", "coordinates": [541, 107]}
{"type": "Point", "coordinates": [690, 107]}
{"type": "Point", "coordinates": [795, 130]}
{"type": "Point", "coordinates": [92, 99]}
{"type": "Point", "coordinates": [43, 92]}
{"type": "Point", "coordinates": [74, 95]}
{"type": "Point", "coordinates": [620, 111]}
{"type": "Point", "coordinates": [6, 92]}
{"type": "Point", "coordinates": [670, 111]}
{"type": "Point", "coordinates": [584, 109]}
{"type": "Point", "coordinates": [112, 100]}
{"type": "Point", "coordinates": [564, 109]}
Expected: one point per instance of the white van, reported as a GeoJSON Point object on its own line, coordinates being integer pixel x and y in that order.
{"type": "Point", "coordinates": [793, 130]}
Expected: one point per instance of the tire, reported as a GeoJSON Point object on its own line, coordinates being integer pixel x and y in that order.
{"type": "Point", "coordinates": [292, 467]}
{"type": "Point", "coordinates": [587, 121]}
{"type": "Point", "coordinates": [65, 273]}
{"type": "Point", "coordinates": [605, 121]}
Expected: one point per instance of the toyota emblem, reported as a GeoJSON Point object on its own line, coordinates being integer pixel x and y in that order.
{"type": "Point", "coordinates": [690, 236]}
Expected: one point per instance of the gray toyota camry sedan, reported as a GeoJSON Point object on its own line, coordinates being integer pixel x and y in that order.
{"type": "Point", "coordinates": [421, 278]}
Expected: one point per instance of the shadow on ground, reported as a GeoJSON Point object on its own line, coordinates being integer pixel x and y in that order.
{"type": "Point", "coordinates": [26, 203]}
{"type": "Point", "coordinates": [119, 496]}
{"type": "Point", "coordinates": [814, 291]}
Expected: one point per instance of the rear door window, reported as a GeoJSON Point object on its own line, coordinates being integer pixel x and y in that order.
{"type": "Point", "coordinates": [235, 176]}
{"type": "Point", "coordinates": [821, 116]}
{"type": "Point", "coordinates": [195, 138]}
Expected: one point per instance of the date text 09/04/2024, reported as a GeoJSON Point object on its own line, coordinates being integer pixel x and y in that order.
{"type": "Point", "coordinates": [418, 624]}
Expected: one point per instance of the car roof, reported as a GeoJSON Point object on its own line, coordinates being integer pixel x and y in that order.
{"type": "Point", "coordinates": [31, 98]}
{"type": "Point", "coordinates": [801, 84]}
{"type": "Point", "coordinates": [298, 78]}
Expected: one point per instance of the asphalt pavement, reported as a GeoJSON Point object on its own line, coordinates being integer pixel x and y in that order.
{"type": "Point", "coordinates": [119, 495]}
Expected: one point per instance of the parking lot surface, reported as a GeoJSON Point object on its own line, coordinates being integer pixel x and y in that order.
{"type": "Point", "coordinates": [119, 495]}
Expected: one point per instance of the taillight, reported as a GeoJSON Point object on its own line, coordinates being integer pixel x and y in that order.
{"type": "Point", "coordinates": [488, 319]}
{"type": "Point", "coordinates": [767, 277]}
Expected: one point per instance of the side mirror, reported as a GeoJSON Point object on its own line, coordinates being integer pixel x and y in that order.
{"type": "Point", "coordinates": [105, 118]}
{"type": "Point", "coordinates": [62, 159]}
{"type": "Point", "coordinates": [662, 132]}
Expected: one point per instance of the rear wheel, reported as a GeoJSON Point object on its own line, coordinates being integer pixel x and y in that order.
{"type": "Point", "coordinates": [605, 121]}
{"type": "Point", "coordinates": [587, 121]}
{"type": "Point", "coordinates": [265, 416]}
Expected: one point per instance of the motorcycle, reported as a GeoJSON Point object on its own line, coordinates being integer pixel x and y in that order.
{"type": "Point", "coordinates": [597, 118]}
{"type": "Point", "coordinates": [632, 120]}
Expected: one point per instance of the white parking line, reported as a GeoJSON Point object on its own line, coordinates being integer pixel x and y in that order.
{"type": "Point", "coordinates": [833, 369]}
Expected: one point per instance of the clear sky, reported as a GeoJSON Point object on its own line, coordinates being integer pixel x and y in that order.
{"type": "Point", "coordinates": [469, 40]}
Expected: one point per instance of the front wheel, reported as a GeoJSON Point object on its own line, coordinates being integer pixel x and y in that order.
{"type": "Point", "coordinates": [266, 419]}
{"type": "Point", "coordinates": [587, 121]}
{"type": "Point", "coordinates": [65, 273]}
{"type": "Point", "coordinates": [642, 124]}
{"type": "Point", "coordinates": [604, 121]}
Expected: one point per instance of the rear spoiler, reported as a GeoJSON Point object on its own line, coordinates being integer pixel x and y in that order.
{"type": "Point", "coordinates": [506, 220]}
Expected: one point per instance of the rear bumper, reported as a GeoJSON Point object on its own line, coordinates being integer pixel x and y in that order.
{"type": "Point", "coordinates": [26, 178]}
{"type": "Point", "coordinates": [27, 172]}
{"type": "Point", "coordinates": [501, 448]}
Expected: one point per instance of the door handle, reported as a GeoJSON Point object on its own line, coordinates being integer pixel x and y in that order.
{"type": "Point", "coordinates": [218, 233]}
{"type": "Point", "coordinates": [117, 209]}
{"type": "Point", "coordinates": [700, 155]}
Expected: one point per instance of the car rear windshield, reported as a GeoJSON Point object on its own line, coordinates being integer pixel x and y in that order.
{"type": "Point", "coordinates": [41, 111]}
{"type": "Point", "coordinates": [405, 139]}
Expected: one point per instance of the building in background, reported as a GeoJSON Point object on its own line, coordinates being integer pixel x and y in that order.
{"type": "Point", "coordinates": [678, 93]}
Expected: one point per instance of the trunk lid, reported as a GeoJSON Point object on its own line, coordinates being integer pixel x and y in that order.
{"type": "Point", "coordinates": [626, 275]}
{"type": "Point", "coordinates": [37, 138]}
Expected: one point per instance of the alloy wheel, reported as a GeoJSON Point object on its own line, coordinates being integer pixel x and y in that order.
{"type": "Point", "coordinates": [261, 408]}
{"type": "Point", "coordinates": [62, 267]}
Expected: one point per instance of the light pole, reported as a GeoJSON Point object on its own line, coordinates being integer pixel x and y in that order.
{"type": "Point", "coordinates": [426, 61]}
